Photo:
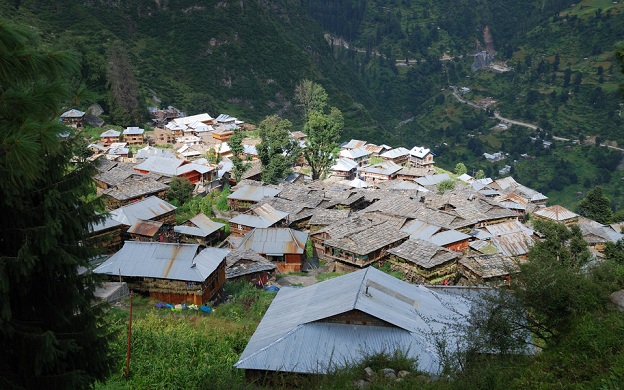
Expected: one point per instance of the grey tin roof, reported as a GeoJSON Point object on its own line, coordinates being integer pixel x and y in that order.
{"type": "Point", "coordinates": [163, 261]}
{"type": "Point", "coordinates": [293, 337]}
{"type": "Point", "coordinates": [148, 208]}
{"type": "Point", "coordinates": [163, 165]}
{"type": "Point", "coordinates": [275, 241]}
{"type": "Point", "coordinates": [253, 193]}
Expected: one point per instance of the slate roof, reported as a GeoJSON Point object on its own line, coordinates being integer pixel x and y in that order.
{"type": "Point", "coordinates": [423, 253]}
{"type": "Point", "coordinates": [163, 261]}
{"type": "Point", "coordinates": [354, 144]}
{"type": "Point", "coordinates": [432, 180]}
{"type": "Point", "coordinates": [416, 171]}
{"type": "Point", "coordinates": [275, 241]}
{"type": "Point", "coordinates": [420, 230]}
{"type": "Point", "coordinates": [117, 175]}
{"type": "Point", "coordinates": [131, 189]}
{"type": "Point", "coordinates": [240, 262]}
{"type": "Point", "coordinates": [367, 240]}
{"type": "Point", "coordinates": [326, 217]}
{"type": "Point", "coordinates": [490, 266]}
{"type": "Point", "coordinates": [293, 336]}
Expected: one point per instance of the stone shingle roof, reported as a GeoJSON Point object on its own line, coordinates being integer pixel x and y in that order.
{"type": "Point", "coordinates": [423, 253]}
{"type": "Point", "coordinates": [368, 239]}
{"type": "Point", "coordinates": [240, 262]}
{"type": "Point", "coordinates": [135, 188]}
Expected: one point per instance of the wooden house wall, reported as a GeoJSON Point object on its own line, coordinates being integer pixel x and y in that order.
{"type": "Point", "coordinates": [356, 317]}
{"type": "Point", "coordinates": [461, 246]}
{"type": "Point", "coordinates": [417, 274]}
{"type": "Point", "coordinates": [109, 239]}
{"type": "Point", "coordinates": [238, 230]}
{"type": "Point", "coordinates": [134, 139]}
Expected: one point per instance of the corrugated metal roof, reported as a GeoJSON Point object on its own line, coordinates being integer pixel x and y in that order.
{"type": "Point", "coordinates": [420, 230]}
{"type": "Point", "coordinates": [275, 241]}
{"type": "Point", "coordinates": [193, 167]}
{"type": "Point", "coordinates": [344, 165]}
{"type": "Point", "coordinates": [253, 193]}
{"type": "Point", "coordinates": [263, 216]}
{"type": "Point", "coordinates": [73, 113]}
{"type": "Point", "coordinates": [110, 133]}
{"type": "Point", "coordinates": [556, 213]}
{"type": "Point", "coordinates": [432, 180]}
{"type": "Point", "coordinates": [354, 144]}
{"type": "Point", "coordinates": [503, 228]}
{"type": "Point", "coordinates": [484, 247]}
{"type": "Point", "coordinates": [163, 261]}
{"type": "Point", "coordinates": [162, 165]}
{"type": "Point", "coordinates": [133, 131]}
{"type": "Point", "coordinates": [396, 153]}
{"type": "Point", "coordinates": [193, 118]}
{"type": "Point", "coordinates": [292, 336]}
{"type": "Point", "coordinates": [354, 153]}
{"type": "Point", "coordinates": [513, 244]}
{"type": "Point", "coordinates": [145, 228]}
{"type": "Point", "coordinates": [419, 152]}
{"type": "Point", "coordinates": [448, 237]}
{"type": "Point", "coordinates": [148, 208]}
{"type": "Point", "coordinates": [384, 168]}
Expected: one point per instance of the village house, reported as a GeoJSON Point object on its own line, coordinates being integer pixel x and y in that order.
{"type": "Point", "coordinates": [421, 157]}
{"type": "Point", "coordinates": [423, 261]}
{"type": "Point", "coordinates": [384, 171]}
{"type": "Point", "coordinates": [377, 150]}
{"type": "Point", "coordinates": [321, 328]}
{"type": "Point", "coordinates": [246, 196]}
{"type": "Point", "coordinates": [353, 144]}
{"type": "Point", "coordinates": [413, 173]}
{"type": "Point", "coordinates": [247, 264]}
{"type": "Point", "coordinates": [399, 156]}
{"type": "Point", "coordinates": [134, 136]}
{"type": "Point", "coordinates": [264, 216]}
{"type": "Point", "coordinates": [146, 231]}
{"type": "Point", "coordinates": [149, 151]}
{"type": "Point", "coordinates": [326, 217]}
{"type": "Point", "coordinates": [110, 231]}
{"type": "Point", "coordinates": [132, 190]}
{"type": "Point", "coordinates": [117, 150]}
{"type": "Point", "coordinates": [223, 134]}
{"type": "Point", "coordinates": [557, 214]}
{"type": "Point", "coordinates": [73, 118]}
{"type": "Point", "coordinates": [597, 235]}
{"type": "Point", "coordinates": [493, 270]}
{"type": "Point", "coordinates": [172, 167]}
{"type": "Point", "coordinates": [359, 156]}
{"type": "Point", "coordinates": [110, 136]}
{"type": "Point", "coordinates": [344, 168]}
{"type": "Point", "coordinates": [200, 229]}
{"type": "Point", "coordinates": [362, 247]}
{"type": "Point", "coordinates": [170, 272]}
{"type": "Point", "coordinates": [284, 247]}
{"type": "Point", "coordinates": [164, 136]}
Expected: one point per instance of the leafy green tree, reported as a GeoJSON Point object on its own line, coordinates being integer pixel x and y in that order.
{"type": "Point", "coordinates": [236, 146]}
{"type": "Point", "coordinates": [596, 206]}
{"type": "Point", "coordinates": [52, 335]}
{"type": "Point", "coordinates": [323, 132]}
{"type": "Point", "coordinates": [460, 169]}
{"type": "Point", "coordinates": [311, 97]}
{"type": "Point", "coordinates": [180, 190]}
{"type": "Point", "coordinates": [480, 174]}
{"type": "Point", "coordinates": [446, 185]}
{"type": "Point", "coordinates": [277, 150]}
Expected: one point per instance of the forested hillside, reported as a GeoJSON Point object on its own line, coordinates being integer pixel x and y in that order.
{"type": "Point", "coordinates": [387, 64]}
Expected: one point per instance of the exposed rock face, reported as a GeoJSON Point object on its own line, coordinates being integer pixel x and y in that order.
{"type": "Point", "coordinates": [617, 298]}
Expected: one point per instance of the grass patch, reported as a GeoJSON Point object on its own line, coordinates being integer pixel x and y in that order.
{"type": "Point", "coordinates": [328, 275]}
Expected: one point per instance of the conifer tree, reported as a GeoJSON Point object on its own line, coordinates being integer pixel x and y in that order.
{"type": "Point", "coordinates": [51, 334]}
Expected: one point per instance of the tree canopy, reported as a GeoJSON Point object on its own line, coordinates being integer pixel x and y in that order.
{"type": "Point", "coordinates": [323, 132]}
{"type": "Point", "coordinates": [236, 146]}
{"type": "Point", "coordinates": [51, 333]}
{"type": "Point", "coordinates": [596, 206]}
{"type": "Point", "coordinates": [277, 150]}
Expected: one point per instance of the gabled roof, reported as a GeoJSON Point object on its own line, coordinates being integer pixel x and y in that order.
{"type": "Point", "coordinates": [419, 152]}
{"type": "Point", "coordinates": [162, 165]}
{"type": "Point", "coordinates": [295, 335]}
{"type": "Point", "coordinates": [448, 237]}
{"type": "Point", "coordinates": [385, 168]}
{"type": "Point", "coordinates": [73, 113]}
{"type": "Point", "coordinates": [241, 262]}
{"type": "Point", "coordinates": [193, 118]}
{"type": "Point", "coordinates": [253, 193]}
{"type": "Point", "coordinates": [145, 228]}
{"type": "Point", "coordinates": [354, 153]}
{"type": "Point", "coordinates": [131, 189]}
{"type": "Point", "coordinates": [260, 217]}
{"type": "Point", "coordinates": [490, 266]}
{"type": "Point", "coordinates": [110, 133]}
{"type": "Point", "coordinates": [368, 240]}
{"type": "Point", "coordinates": [423, 253]}
{"type": "Point", "coordinates": [163, 261]}
{"type": "Point", "coordinates": [274, 241]}
{"type": "Point", "coordinates": [326, 217]}
{"type": "Point", "coordinates": [149, 151]}
{"type": "Point", "coordinates": [395, 153]}
{"type": "Point", "coordinates": [556, 213]}
{"type": "Point", "coordinates": [432, 180]}
{"type": "Point", "coordinates": [354, 144]}
{"type": "Point", "coordinates": [202, 226]}
{"type": "Point", "coordinates": [133, 131]}
{"type": "Point", "coordinates": [344, 165]}
{"type": "Point", "coordinates": [148, 208]}
{"type": "Point", "coordinates": [193, 167]}
{"type": "Point", "coordinates": [420, 230]}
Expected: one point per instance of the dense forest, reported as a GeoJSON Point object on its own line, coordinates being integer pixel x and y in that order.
{"type": "Point", "coordinates": [386, 64]}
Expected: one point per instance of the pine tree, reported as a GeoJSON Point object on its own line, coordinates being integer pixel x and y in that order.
{"type": "Point", "coordinates": [596, 206]}
{"type": "Point", "coordinates": [52, 335]}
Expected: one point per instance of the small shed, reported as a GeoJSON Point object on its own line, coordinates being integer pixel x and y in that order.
{"type": "Point", "coordinates": [285, 247]}
{"type": "Point", "coordinates": [200, 229]}
{"type": "Point", "coordinates": [143, 230]}
{"type": "Point", "coordinates": [247, 264]}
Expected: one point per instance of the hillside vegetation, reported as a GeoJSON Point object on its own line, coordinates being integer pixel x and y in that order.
{"type": "Point", "coordinates": [386, 64]}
